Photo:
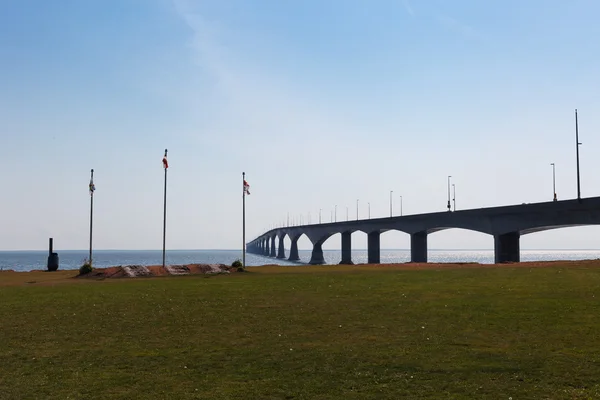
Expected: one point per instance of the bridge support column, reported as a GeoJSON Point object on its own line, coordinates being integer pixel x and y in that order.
{"type": "Point", "coordinates": [281, 249]}
{"type": "Point", "coordinates": [316, 257]}
{"type": "Point", "coordinates": [272, 253]}
{"type": "Point", "coordinates": [346, 248]}
{"type": "Point", "coordinates": [418, 247]}
{"type": "Point", "coordinates": [267, 252]}
{"type": "Point", "coordinates": [507, 248]}
{"type": "Point", "coordinates": [294, 249]}
{"type": "Point", "coordinates": [373, 247]}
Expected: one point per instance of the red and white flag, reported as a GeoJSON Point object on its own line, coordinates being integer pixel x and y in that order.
{"type": "Point", "coordinates": [165, 162]}
{"type": "Point", "coordinates": [246, 187]}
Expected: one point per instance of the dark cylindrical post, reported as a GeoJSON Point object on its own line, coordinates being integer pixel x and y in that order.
{"type": "Point", "coordinates": [577, 152]}
{"type": "Point", "coordinates": [50, 246]}
{"type": "Point", "coordinates": [166, 166]}
{"type": "Point", "coordinates": [454, 196]}
{"type": "Point", "coordinates": [244, 220]}
{"type": "Point", "coordinates": [91, 211]}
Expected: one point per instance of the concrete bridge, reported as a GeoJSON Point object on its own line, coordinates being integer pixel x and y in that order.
{"type": "Point", "coordinates": [506, 224]}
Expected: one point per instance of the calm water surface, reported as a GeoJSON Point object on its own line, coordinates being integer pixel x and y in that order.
{"type": "Point", "coordinates": [72, 259]}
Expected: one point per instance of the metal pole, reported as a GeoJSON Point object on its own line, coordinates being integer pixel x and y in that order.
{"type": "Point", "coordinates": [347, 213]}
{"type": "Point", "coordinates": [165, 215]}
{"type": "Point", "coordinates": [454, 196]}
{"type": "Point", "coordinates": [91, 211]}
{"type": "Point", "coordinates": [357, 209]}
{"type": "Point", "coordinates": [391, 192]}
{"type": "Point", "coordinates": [319, 215]}
{"type": "Point", "coordinates": [577, 147]}
{"type": "Point", "coordinates": [336, 213]}
{"type": "Point", "coordinates": [369, 210]}
{"type": "Point", "coordinates": [244, 219]}
{"type": "Point", "coordinates": [449, 176]}
{"type": "Point", "coordinates": [401, 212]}
{"type": "Point", "coordinates": [553, 182]}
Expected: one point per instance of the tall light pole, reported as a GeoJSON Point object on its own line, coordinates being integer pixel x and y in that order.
{"type": "Point", "coordinates": [553, 181]}
{"type": "Point", "coordinates": [400, 205]}
{"type": "Point", "coordinates": [357, 209]}
{"type": "Point", "coordinates": [449, 176]}
{"type": "Point", "coordinates": [336, 213]}
{"type": "Point", "coordinates": [319, 215]}
{"type": "Point", "coordinates": [369, 210]}
{"type": "Point", "coordinates": [577, 147]}
{"type": "Point", "coordinates": [391, 192]}
{"type": "Point", "coordinates": [346, 213]}
{"type": "Point", "coordinates": [454, 195]}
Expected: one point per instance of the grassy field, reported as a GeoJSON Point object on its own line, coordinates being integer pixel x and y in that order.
{"type": "Point", "coordinates": [305, 333]}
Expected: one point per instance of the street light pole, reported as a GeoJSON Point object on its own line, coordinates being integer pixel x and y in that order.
{"type": "Point", "coordinates": [319, 215]}
{"type": "Point", "coordinates": [577, 147]}
{"type": "Point", "coordinates": [369, 210]}
{"type": "Point", "coordinates": [449, 176]}
{"type": "Point", "coordinates": [454, 196]}
{"type": "Point", "coordinates": [346, 213]}
{"type": "Point", "coordinates": [357, 209]}
{"type": "Point", "coordinates": [336, 213]}
{"type": "Point", "coordinates": [553, 181]}
{"type": "Point", "coordinates": [400, 205]}
{"type": "Point", "coordinates": [391, 192]}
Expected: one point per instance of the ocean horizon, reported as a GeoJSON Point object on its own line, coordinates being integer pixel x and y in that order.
{"type": "Point", "coordinates": [28, 260]}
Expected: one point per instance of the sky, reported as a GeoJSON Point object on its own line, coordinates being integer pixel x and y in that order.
{"type": "Point", "coordinates": [322, 103]}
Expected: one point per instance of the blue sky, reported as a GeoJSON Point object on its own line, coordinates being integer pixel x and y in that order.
{"type": "Point", "coordinates": [321, 103]}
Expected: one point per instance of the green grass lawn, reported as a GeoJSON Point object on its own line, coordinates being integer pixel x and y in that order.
{"type": "Point", "coordinates": [478, 333]}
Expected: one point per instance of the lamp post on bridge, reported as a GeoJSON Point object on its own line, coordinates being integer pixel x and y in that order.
{"type": "Point", "coordinates": [335, 213]}
{"type": "Point", "coordinates": [400, 205]}
{"type": "Point", "coordinates": [357, 209]}
{"type": "Point", "coordinates": [369, 204]}
{"type": "Point", "coordinates": [391, 192]}
{"type": "Point", "coordinates": [553, 182]}
{"type": "Point", "coordinates": [347, 213]}
{"type": "Point", "coordinates": [319, 215]}
{"type": "Point", "coordinates": [449, 176]}
{"type": "Point", "coordinates": [454, 196]}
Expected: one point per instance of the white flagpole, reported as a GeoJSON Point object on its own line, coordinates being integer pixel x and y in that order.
{"type": "Point", "coordinates": [91, 211]}
{"type": "Point", "coordinates": [164, 214]}
{"type": "Point", "coordinates": [243, 219]}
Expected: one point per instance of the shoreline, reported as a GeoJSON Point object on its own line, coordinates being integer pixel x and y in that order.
{"type": "Point", "coordinates": [116, 273]}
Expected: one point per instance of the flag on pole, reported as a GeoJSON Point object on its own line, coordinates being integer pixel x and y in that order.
{"type": "Point", "coordinates": [246, 187]}
{"type": "Point", "coordinates": [92, 187]}
{"type": "Point", "coordinates": [165, 162]}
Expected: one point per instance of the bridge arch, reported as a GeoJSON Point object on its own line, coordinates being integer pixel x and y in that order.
{"type": "Point", "coordinates": [460, 245]}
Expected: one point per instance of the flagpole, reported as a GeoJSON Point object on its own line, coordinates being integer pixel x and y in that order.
{"type": "Point", "coordinates": [164, 215]}
{"type": "Point", "coordinates": [91, 211]}
{"type": "Point", "coordinates": [244, 220]}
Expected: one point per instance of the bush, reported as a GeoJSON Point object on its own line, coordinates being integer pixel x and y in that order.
{"type": "Point", "coordinates": [237, 264]}
{"type": "Point", "coordinates": [86, 268]}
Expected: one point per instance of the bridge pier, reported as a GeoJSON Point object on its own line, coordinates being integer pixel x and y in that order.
{"type": "Point", "coordinates": [373, 247]}
{"type": "Point", "coordinates": [507, 248]}
{"type": "Point", "coordinates": [272, 254]}
{"type": "Point", "coordinates": [316, 257]}
{"type": "Point", "coordinates": [418, 247]}
{"type": "Point", "coordinates": [281, 249]}
{"type": "Point", "coordinates": [267, 252]}
{"type": "Point", "coordinates": [346, 248]}
{"type": "Point", "coordinates": [294, 249]}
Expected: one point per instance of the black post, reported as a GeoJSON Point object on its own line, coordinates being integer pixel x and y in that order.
{"type": "Point", "coordinates": [244, 220]}
{"type": "Point", "coordinates": [166, 166]}
{"type": "Point", "coordinates": [577, 152]}
{"type": "Point", "coordinates": [92, 188]}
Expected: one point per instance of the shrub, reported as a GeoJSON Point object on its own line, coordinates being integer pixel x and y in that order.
{"type": "Point", "coordinates": [237, 264]}
{"type": "Point", "coordinates": [86, 268]}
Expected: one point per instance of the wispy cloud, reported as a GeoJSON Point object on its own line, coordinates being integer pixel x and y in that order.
{"type": "Point", "coordinates": [408, 8]}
